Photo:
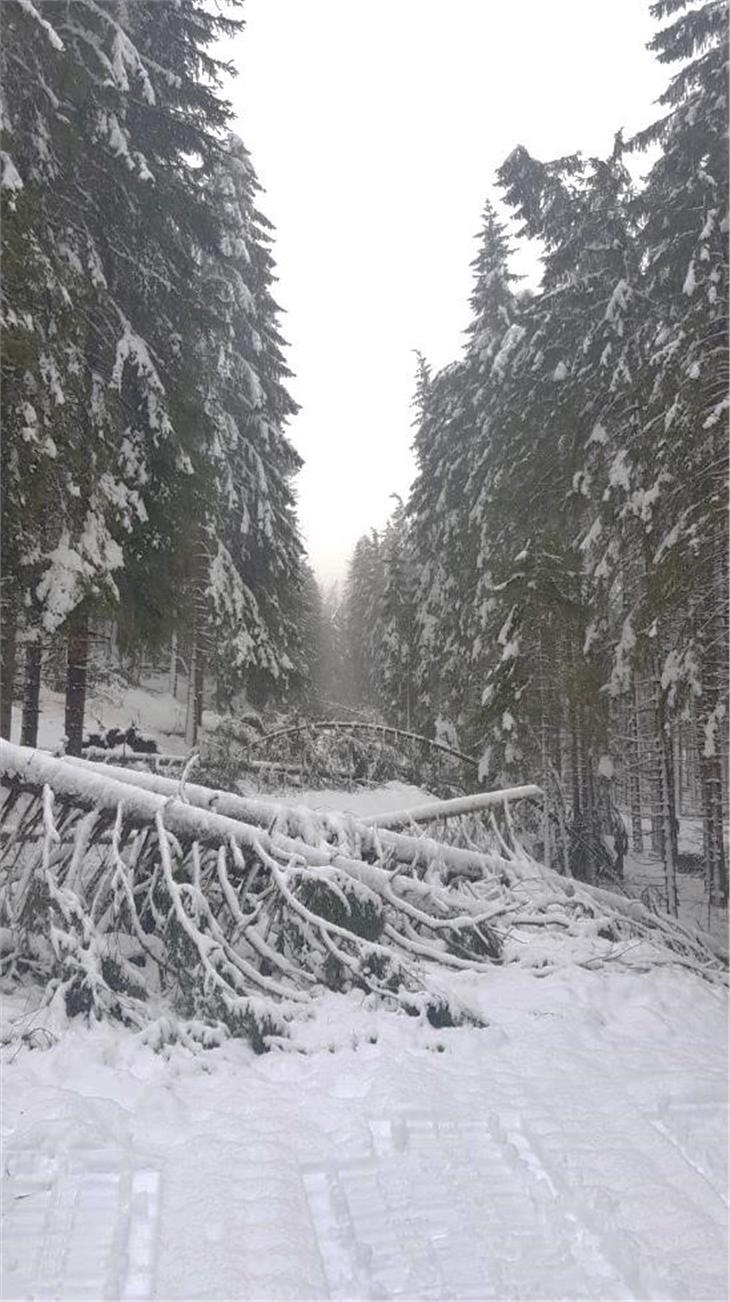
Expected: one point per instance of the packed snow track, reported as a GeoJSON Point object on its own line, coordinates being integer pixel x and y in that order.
{"type": "Point", "coordinates": [574, 1148]}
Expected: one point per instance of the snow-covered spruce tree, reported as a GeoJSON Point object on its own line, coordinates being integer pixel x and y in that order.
{"type": "Point", "coordinates": [438, 514]}
{"type": "Point", "coordinates": [455, 435]}
{"type": "Point", "coordinates": [397, 622]}
{"type": "Point", "coordinates": [684, 243]}
{"type": "Point", "coordinates": [543, 706]}
{"type": "Point", "coordinates": [363, 597]}
{"type": "Point", "coordinates": [113, 120]}
{"type": "Point", "coordinates": [250, 577]}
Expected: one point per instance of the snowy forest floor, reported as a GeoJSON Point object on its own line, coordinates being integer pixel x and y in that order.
{"type": "Point", "coordinates": [573, 1148]}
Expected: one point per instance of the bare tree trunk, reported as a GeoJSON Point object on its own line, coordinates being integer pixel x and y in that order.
{"type": "Point", "coordinates": [199, 686]}
{"type": "Point", "coordinates": [77, 661]}
{"type": "Point", "coordinates": [575, 775]}
{"type": "Point", "coordinates": [173, 665]}
{"type": "Point", "coordinates": [634, 759]}
{"type": "Point", "coordinates": [710, 721]}
{"type": "Point", "coordinates": [31, 694]}
{"type": "Point", "coordinates": [667, 815]}
{"type": "Point", "coordinates": [677, 766]}
{"type": "Point", "coordinates": [191, 714]}
{"type": "Point", "coordinates": [657, 823]}
{"type": "Point", "coordinates": [8, 654]}
{"type": "Point", "coordinates": [547, 849]}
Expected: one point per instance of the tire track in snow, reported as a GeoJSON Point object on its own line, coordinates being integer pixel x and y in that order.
{"type": "Point", "coordinates": [452, 1209]}
{"type": "Point", "coordinates": [84, 1227]}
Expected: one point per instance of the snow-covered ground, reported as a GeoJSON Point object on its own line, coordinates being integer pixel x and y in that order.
{"type": "Point", "coordinates": [574, 1148]}
{"type": "Point", "coordinates": [376, 800]}
{"type": "Point", "coordinates": [150, 707]}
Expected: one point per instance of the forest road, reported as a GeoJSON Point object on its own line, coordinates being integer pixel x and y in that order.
{"type": "Point", "coordinates": [573, 1149]}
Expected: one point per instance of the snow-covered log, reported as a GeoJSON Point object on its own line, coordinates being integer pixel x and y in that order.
{"type": "Point", "coordinates": [452, 808]}
{"type": "Point", "coordinates": [103, 878]}
{"type": "Point", "coordinates": [122, 897]}
{"type": "Point", "coordinates": [299, 821]}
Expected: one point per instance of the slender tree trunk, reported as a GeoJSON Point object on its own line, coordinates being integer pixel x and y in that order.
{"type": "Point", "coordinates": [634, 759]}
{"type": "Point", "coordinates": [710, 722]}
{"type": "Point", "coordinates": [545, 804]}
{"type": "Point", "coordinates": [199, 686]}
{"type": "Point", "coordinates": [677, 765]}
{"type": "Point", "coordinates": [590, 822]}
{"type": "Point", "coordinates": [173, 665]}
{"type": "Point", "coordinates": [575, 776]}
{"type": "Point", "coordinates": [657, 821]}
{"type": "Point", "coordinates": [666, 811]}
{"type": "Point", "coordinates": [191, 714]}
{"type": "Point", "coordinates": [31, 694]}
{"type": "Point", "coordinates": [77, 661]}
{"type": "Point", "coordinates": [8, 654]}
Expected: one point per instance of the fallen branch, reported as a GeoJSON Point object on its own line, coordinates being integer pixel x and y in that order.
{"type": "Point", "coordinates": [351, 725]}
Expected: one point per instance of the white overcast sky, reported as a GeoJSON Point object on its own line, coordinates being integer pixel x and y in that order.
{"type": "Point", "coordinates": [376, 130]}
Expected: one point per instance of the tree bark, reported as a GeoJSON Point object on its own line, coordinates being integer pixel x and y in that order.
{"type": "Point", "coordinates": [665, 813]}
{"type": "Point", "coordinates": [8, 654]}
{"type": "Point", "coordinates": [637, 831]}
{"type": "Point", "coordinates": [173, 665]}
{"type": "Point", "coordinates": [31, 694]}
{"type": "Point", "coordinates": [191, 712]}
{"type": "Point", "coordinates": [199, 686]}
{"type": "Point", "coordinates": [712, 824]}
{"type": "Point", "coordinates": [77, 660]}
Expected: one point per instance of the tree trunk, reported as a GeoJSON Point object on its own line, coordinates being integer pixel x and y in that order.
{"type": "Point", "coordinates": [191, 713]}
{"type": "Point", "coordinates": [637, 831]}
{"type": "Point", "coordinates": [77, 660]}
{"type": "Point", "coordinates": [8, 653]}
{"type": "Point", "coordinates": [31, 694]}
{"type": "Point", "coordinates": [677, 763]}
{"type": "Point", "coordinates": [575, 782]}
{"type": "Point", "coordinates": [665, 812]}
{"type": "Point", "coordinates": [657, 822]}
{"type": "Point", "coordinates": [199, 687]}
{"type": "Point", "coordinates": [173, 665]}
{"type": "Point", "coordinates": [712, 731]}
{"type": "Point", "coordinates": [712, 824]}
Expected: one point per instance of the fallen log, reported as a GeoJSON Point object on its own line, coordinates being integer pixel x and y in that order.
{"type": "Point", "coordinates": [451, 808]}
{"type": "Point", "coordinates": [111, 888]}
{"type": "Point", "coordinates": [299, 820]}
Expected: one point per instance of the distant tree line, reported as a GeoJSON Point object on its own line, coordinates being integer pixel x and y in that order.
{"type": "Point", "coordinates": [146, 473]}
{"type": "Point", "coordinates": [556, 589]}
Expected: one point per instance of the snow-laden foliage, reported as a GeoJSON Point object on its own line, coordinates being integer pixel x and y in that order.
{"type": "Point", "coordinates": [146, 472]}
{"type": "Point", "coordinates": [567, 526]}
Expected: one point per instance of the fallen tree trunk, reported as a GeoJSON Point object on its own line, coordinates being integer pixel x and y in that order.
{"type": "Point", "coordinates": [451, 808]}
{"type": "Point", "coordinates": [323, 829]}
{"type": "Point", "coordinates": [118, 895]}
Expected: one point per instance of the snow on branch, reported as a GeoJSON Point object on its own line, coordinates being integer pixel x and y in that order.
{"type": "Point", "coordinates": [50, 32]}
